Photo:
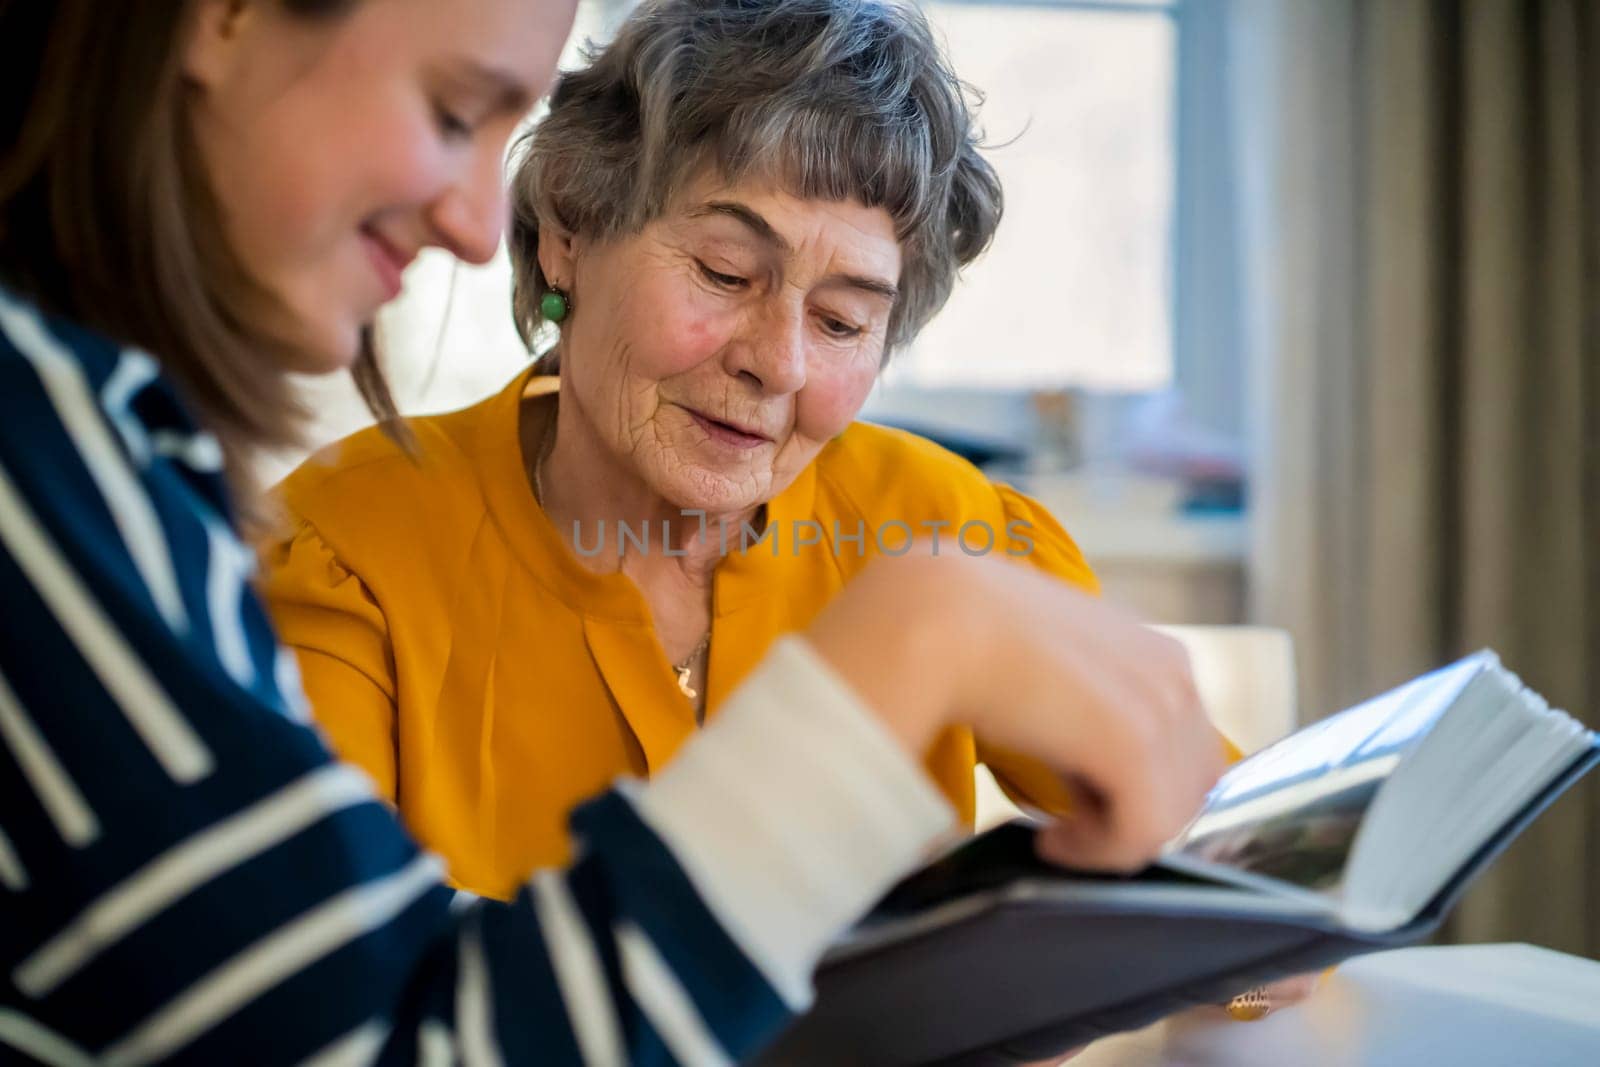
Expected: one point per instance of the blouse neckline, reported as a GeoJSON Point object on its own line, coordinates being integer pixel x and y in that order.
{"type": "Point", "coordinates": [535, 540]}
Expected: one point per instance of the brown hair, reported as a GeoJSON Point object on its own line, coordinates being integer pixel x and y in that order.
{"type": "Point", "coordinates": [835, 99]}
{"type": "Point", "coordinates": [106, 217]}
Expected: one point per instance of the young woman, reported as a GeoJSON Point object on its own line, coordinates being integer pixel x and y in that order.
{"type": "Point", "coordinates": [200, 198]}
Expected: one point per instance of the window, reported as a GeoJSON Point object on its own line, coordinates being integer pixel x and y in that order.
{"type": "Point", "coordinates": [1077, 289]}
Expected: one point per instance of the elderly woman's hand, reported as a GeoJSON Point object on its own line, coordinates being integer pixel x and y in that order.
{"type": "Point", "coordinates": [1040, 669]}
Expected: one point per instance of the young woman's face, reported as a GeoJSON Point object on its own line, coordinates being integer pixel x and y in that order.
{"type": "Point", "coordinates": [339, 146]}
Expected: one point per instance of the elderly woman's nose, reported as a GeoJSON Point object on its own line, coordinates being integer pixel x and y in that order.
{"type": "Point", "coordinates": [469, 216]}
{"type": "Point", "coordinates": [775, 356]}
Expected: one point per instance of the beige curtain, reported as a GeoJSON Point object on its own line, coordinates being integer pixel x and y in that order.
{"type": "Point", "coordinates": [1418, 208]}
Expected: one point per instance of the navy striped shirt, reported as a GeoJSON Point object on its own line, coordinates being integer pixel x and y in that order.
{"type": "Point", "coordinates": [185, 872]}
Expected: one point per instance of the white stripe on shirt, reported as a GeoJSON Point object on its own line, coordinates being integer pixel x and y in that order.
{"type": "Point", "coordinates": [81, 417]}
{"type": "Point", "coordinates": [199, 451]}
{"type": "Point", "coordinates": [176, 873]}
{"type": "Point", "coordinates": [291, 689]}
{"type": "Point", "coordinates": [576, 963]}
{"type": "Point", "coordinates": [57, 794]}
{"type": "Point", "coordinates": [125, 677]}
{"type": "Point", "coordinates": [45, 1045]}
{"type": "Point", "coordinates": [133, 372]}
{"type": "Point", "coordinates": [227, 571]}
{"type": "Point", "coordinates": [475, 1001]}
{"type": "Point", "coordinates": [12, 874]}
{"type": "Point", "coordinates": [283, 953]}
{"type": "Point", "coordinates": [435, 1048]}
{"type": "Point", "coordinates": [359, 1048]}
{"type": "Point", "coordinates": [665, 1002]}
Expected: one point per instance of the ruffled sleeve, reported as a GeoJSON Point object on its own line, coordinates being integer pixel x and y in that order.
{"type": "Point", "coordinates": [1035, 535]}
{"type": "Point", "coordinates": [327, 614]}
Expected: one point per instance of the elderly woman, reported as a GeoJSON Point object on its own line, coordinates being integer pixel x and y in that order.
{"type": "Point", "coordinates": [731, 217]}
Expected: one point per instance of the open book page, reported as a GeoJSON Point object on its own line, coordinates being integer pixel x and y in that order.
{"type": "Point", "coordinates": [1500, 746]}
{"type": "Point", "coordinates": [1287, 818]}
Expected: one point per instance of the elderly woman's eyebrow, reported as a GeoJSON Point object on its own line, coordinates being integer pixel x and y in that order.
{"type": "Point", "coordinates": [768, 235]}
{"type": "Point", "coordinates": [750, 217]}
{"type": "Point", "coordinates": [876, 286]}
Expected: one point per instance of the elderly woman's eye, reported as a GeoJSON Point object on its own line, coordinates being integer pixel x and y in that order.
{"type": "Point", "coordinates": [727, 281]}
{"type": "Point", "coordinates": [837, 328]}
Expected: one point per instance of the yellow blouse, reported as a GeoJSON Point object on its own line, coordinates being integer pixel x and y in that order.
{"type": "Point", "coordinates": [454, 646]}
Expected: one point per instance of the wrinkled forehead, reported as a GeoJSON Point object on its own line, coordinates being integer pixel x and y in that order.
{"type": "Point", "coordinates": [776, 217]}
{"type": "Point", "coordinates": [811, 156]}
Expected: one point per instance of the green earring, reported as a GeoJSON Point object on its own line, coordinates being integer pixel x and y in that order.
{"type": "Point", "coordinates": [553, 305]}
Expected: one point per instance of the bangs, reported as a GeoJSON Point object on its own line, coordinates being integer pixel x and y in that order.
{"type": "Point", "coordinates": [811, 154]}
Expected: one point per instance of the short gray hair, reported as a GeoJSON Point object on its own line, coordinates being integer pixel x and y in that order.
{"type": "Point", "coordinates": [832, 99]}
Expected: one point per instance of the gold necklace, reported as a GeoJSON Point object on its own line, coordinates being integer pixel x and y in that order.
{"type": "Point", "coordinates": [684, 670]}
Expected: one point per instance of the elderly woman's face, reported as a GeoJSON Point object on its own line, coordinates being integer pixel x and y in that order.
{"type": "Point", "coordinates": [717, 351]}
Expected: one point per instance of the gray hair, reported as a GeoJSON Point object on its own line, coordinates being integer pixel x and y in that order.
{"type": "Point", "coordinates": [831, 99]}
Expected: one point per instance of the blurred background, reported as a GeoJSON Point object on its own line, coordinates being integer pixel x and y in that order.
{"type": "Point", "coordinates": [1294, 319]}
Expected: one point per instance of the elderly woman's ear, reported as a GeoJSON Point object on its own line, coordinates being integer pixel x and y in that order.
{"type": "Point", "coordinates": [558, 253]}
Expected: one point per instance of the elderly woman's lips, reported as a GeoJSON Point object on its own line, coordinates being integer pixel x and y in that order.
{"type": "Point", "coordinates": [726, 433]}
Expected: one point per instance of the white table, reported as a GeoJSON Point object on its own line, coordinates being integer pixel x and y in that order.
{"type": "Point", "coordinates": [1460, 1006]}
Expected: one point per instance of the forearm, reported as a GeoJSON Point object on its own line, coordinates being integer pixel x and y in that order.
{"type": "Point", "coordinates": [716, 887]}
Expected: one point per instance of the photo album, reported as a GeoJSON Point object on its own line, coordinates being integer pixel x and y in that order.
{"type": "Point", "coordinates": [1355, 834]}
